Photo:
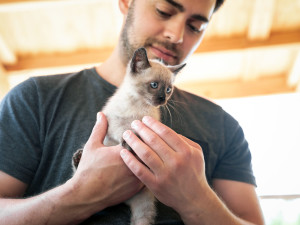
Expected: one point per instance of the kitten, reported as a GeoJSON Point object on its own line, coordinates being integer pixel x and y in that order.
{"type": "Point", "coordinates": [148, 84]}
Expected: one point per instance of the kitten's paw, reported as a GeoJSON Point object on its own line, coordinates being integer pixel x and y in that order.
{"type": "Point", "coordinates": [125, 145]}
{"type": "Point", "coordinates": [76, 158]}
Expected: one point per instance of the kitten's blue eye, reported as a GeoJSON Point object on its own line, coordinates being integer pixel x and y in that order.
{"type": "Point", "coordinates": [154, 85]}
{"type": "Point", "coordinates": [169, 89]}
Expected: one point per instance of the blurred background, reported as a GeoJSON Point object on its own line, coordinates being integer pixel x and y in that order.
{"type": "Point", "coordinates": [248, 62]}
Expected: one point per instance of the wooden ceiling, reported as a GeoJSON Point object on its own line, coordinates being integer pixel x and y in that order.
{"type": "Point", "coordinates": [250, 47]}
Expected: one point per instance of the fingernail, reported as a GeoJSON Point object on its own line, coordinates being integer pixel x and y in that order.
{"type": "Point", "coordinates": [126, 134]}
{"type": "Point", "coordinates": [146, 119]}
{"type": "Point", "coordinates": [123, 153]}
{"type": "Point", "coordinates": [99, 117]}
{"type": "Point", "coordinates": [135, 124]}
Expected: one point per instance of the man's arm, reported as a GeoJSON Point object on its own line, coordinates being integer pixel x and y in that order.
{"type": "Point", "coordinates": [11, 187]}
{"type": "Point", "coordinates": [53, 207]}
{"type": "Point", "coordinates": [101, 180]}
{"type": "Point", "coordinates": [174, 170]}
{"type": "Point", "coordinates": [241, 205]}
{"type": "Point", "coordinates": [240, 198]}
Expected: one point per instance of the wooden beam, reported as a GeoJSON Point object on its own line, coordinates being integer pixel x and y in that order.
{"type": "Point", "coordinates": [60, 59]}
{"type": "Point", "coordinates": [261, 20]}
{"type": "Point", "coordinates": [16, 1]}
{"type": "Point", "coordinates": [249, 69]}
{"type": "Point", "coordinates": [7, 55]}
{"type": "Point", "coordinates": [241, 42]}
{"type": "Point", "coordinates": [238, 88]}
{"type": "Point", "coordinates": [99, 55]}
{"type": "Point", "coordinates": [4, 85]}
{"type": "Point", "coordinates": [294, 75]}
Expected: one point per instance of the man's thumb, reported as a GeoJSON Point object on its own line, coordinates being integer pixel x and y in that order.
{"type": "Point", "coordinates": [99, 130]}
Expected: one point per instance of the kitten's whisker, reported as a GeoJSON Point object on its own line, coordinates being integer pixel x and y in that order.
{"type": "Point", "coordinates": [172, 104]}
{"type": "Point", "coordinates": [177, 101]}
{"type": "Point", "coordinates": [171, 119]}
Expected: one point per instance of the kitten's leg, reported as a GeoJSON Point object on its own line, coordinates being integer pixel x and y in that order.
{"type": "Point", "coordinates": [125, 145]}
{"type": "Point", "coordinates": [142, 208]}
{"type": "Point", "coordinates": [142, 205]}
{"type": "Point", "coordinates": [76, 159]}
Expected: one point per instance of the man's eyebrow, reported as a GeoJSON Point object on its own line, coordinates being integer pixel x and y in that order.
{"type": "Point", "coordinates": [181, 9]}
{"type": "Point", "coordinates": [200, 17]}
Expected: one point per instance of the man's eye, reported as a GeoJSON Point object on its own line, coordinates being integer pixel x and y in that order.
{"type": "Point", "coordinates": [194, 29]}
{"type": "Point", "coordinates": [197, 29]}
{"type": "Point", "coordinates": [163, 13]}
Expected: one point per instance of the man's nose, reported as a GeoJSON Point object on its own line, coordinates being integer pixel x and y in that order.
{"type": "Point", "coordinates": [174, 31]}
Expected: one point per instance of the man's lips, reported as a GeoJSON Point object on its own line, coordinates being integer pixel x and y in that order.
{"type": "Point", "coordinates": [163, 53]}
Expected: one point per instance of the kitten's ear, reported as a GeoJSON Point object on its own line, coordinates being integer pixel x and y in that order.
{"type": "Point", "coordinates": [175, 69]}
{"type": "Point", "coordinates": [139, 61]}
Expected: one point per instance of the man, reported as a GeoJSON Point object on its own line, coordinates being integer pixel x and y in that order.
{"type": "Point", "coordinates": [45, 120]}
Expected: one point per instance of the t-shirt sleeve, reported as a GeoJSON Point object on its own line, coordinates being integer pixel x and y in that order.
{"type": "Point", "coordinates": [235, 161]}
{"type": "Point", "coordinates": [19, 132]}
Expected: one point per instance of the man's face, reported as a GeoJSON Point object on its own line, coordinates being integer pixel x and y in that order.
{"type": "Point", "coordinates": [170, 30]}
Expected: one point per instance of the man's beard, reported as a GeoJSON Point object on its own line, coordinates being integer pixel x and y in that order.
{"type": "Point", "coordinates": [128, 48]}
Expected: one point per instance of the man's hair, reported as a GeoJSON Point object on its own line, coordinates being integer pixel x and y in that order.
{"type": "Point", "coordinates": [218, 4]}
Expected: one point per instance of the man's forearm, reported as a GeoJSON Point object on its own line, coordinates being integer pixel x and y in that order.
{"type": "Point", "coordinates": [213, 211]}
{"type": "Point", "coordinates": [57, 206]}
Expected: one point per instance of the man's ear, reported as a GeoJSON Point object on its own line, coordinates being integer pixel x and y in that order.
{"type": "Point", "coordinates": [124, 5]}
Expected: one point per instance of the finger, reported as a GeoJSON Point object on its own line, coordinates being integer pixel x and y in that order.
{"type": "Point", "coordinates": [136, 167]}
{"type": "Point", "coordinates": [143, 151]}
{"type": "Point", "coordinates": [169, 136]}
{"type": "Point", "coordinates": [153, 140]}
{"type": "Point", "coordinates": [99, 131]}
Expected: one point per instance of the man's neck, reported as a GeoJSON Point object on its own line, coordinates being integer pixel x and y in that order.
{"type": "Point", "coordinates": [113, 69]}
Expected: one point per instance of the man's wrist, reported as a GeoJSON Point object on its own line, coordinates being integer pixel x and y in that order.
{"type": "Point", "coordinates": [65, 199]}
{"type": "Point", "coordinates": [72, 197]}
{"type": "Point", "coordinates": [198, 207]}
{"type": "Point", "coordinates": [207, 208]}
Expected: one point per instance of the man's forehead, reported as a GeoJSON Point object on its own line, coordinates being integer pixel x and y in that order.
{"type": "Point", "coordinates": [203, 12]}
{"type": "Point", "coordinates": [176, 5]}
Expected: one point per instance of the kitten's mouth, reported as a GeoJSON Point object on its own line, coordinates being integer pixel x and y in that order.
{"type": "Point", "coordinates": [158, 102]}
{"type": "Point", "coordinates": [155, 103]}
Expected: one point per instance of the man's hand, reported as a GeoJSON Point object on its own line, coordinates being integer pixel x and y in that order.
{"type": "Point", "coordinates": [102, 178]}
{"type": "Point", "coordinates": [174, 167]}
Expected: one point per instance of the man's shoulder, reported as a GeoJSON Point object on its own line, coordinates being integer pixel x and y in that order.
{"type": "Point", "coordinates": [62, 78]}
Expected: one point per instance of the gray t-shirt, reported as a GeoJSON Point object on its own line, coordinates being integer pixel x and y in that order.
{"type": "Point", "coordinates": [44, 120]}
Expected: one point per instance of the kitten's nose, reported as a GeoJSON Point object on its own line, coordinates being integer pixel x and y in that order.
{"type": "Point", "coordinates": [162, 98]}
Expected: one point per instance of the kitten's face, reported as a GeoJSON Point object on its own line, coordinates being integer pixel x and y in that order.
{"type": "Point", "coordinates": [155, 85]}
{"type": "Point", "coordinates": [152, 80]}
